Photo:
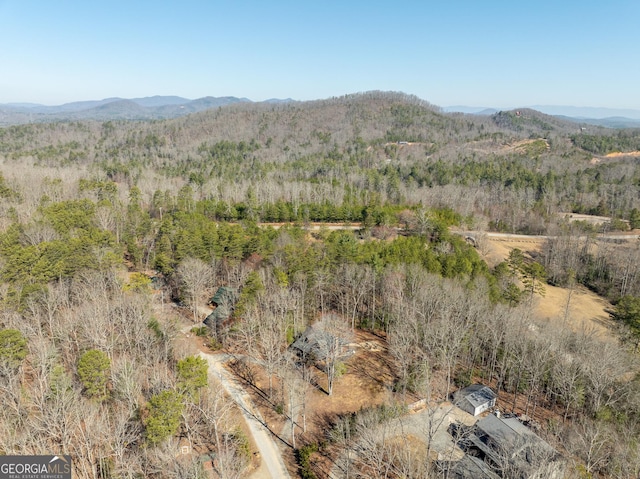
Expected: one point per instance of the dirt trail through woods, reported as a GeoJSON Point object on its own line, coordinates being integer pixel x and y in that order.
{"type": "Point", "coordinates": [269, 452]}
{"type": "Point", "coordinates": [272, 465]}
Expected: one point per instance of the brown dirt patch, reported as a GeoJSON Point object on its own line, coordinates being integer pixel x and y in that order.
{"type": "Point", "coordinates": [591, 219]}
{"type": "Point", "coordinates": [499, 248]}
{"type": "Point", "coordinates": [491, 146]}
{"type": "Point", "coordinates": [367, 382]}
{"type": "Point", "coordinates": [518, 146]}
{"type": "Point", "coordinates": [619, 154]}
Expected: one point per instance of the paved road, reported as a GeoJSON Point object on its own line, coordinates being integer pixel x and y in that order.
{"type": "Point", "coordinates": [270, 454]}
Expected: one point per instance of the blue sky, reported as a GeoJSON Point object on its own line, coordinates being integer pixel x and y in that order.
{"type": "Point", "coordinates": [458, 52]}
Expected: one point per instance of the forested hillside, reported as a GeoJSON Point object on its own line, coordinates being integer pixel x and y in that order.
{"type": "Point", "coordinates": [113, 236]}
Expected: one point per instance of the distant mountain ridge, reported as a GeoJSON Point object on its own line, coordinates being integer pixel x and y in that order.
{"type": "Point", "coordinates": [588, 112]}
{"type": "Point", "coordinates": [607, 117]}
{"type": "Point", "coordinates": [610, 122]}
{"type": "Point", "coordinates": [146, 108]}
{"type": "Point", "coordinates": [575, 112]}
{"type": "Point", "coordinates": [165, 107]}
{"type": "Point", "coordinates": [470, 110]}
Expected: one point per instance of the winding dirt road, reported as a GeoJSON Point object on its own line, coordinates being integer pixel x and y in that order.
{"type": "Point", "coordinates": [272, 463]}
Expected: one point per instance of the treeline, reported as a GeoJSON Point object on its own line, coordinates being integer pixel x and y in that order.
{"type": "Point", "coordinates": [607, 268]}
{"type": "Point", "coordinates": [611, 270]}
{"type": "Point", "coordinates": [63, 238]}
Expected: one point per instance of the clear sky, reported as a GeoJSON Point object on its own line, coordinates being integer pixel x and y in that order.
{"type": "Point", "coordinates": [494, 53]}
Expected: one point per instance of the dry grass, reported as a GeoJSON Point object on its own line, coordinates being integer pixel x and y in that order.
{"type": "Point", "coordinates": [587, 311]}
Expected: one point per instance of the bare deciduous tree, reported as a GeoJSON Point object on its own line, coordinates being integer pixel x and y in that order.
{"type": "Point", "coordinates": [592, 441]}
{"type": "Point", "coordinates": [195, 277]}
{"type": "Point", "coordinates": [296, 389]}
{"type": "Point", "coordinates": [333, 336]}
{"type": "Point", "coordinates": [352, 285]}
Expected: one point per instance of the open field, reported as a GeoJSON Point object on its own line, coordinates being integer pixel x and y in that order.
{"type": "Point", "coordinates": [587, 312]}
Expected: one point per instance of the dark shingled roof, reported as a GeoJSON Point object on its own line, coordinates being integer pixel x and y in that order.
{"type": "Point", "coordinates": [219, 315]}
{"type": "Point", "coordinates": [309, 343]}
{"type": "Point", "coordinates": [508, 441]}
{"type": "Point", "coordinates": [224, 301]}
{"type": "Point", "coordinates": [225, 296]}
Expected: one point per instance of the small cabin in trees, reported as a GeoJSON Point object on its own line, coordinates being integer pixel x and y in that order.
{"type": "Point", "coordinates": [225, 296]}
{"type": "Point", "coordinates": [313, 343]}
{"type": "Point", "coordinates": [475, 399]}
{"type": "Point", "coordinates": [306, 346]}
{"type": "Point", "coordinates": [224, 300]}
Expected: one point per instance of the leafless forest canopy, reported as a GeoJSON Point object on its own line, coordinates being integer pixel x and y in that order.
{"type": "Point", "coordinates": [113, 236]}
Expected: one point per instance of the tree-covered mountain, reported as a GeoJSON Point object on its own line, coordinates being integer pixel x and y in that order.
{"type": "Point", "coordinates": [607, 117]}
{"type": "Point", "coordinates": [513, 168]}
{"type": "Point", "coordinates": [164, 107]}
{"type": "Point", "coordinates": [147, 108]}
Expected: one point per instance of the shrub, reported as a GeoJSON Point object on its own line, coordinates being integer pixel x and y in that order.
{"type": "Point", "coordinates": [200, 331]}
{"type": "Point", "coordinates": [303, 456]}
{"type": "Point", "coordinates": [138, 282]}
{"type": "Point", "coordinates": [214, 344]}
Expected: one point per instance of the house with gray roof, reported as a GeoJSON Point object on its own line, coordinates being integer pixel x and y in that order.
{"type": "Point", "coordinates": [475, 399]}
{"type": "Point", "coordinates": [312, 344]}
{"type": "Point", "coordinates": [511, 449]}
